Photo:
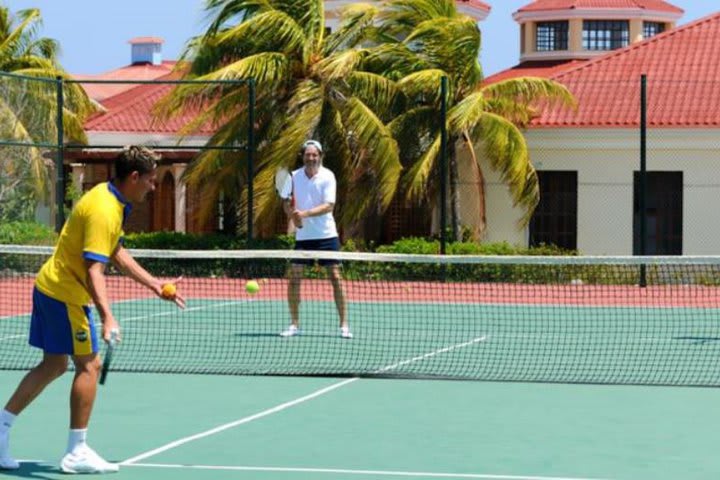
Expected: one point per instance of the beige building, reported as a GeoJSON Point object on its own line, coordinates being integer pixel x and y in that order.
{"type": "Point", "coordinates": [588, 160]}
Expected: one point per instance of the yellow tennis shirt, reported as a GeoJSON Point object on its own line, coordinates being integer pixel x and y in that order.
{"type": "Point", "coordinates": [92, 232]}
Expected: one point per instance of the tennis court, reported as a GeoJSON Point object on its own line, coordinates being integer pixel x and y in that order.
{"type": "Point", "coordinates": [331, 421]}
{"type": "Point", "coordinates": [206, 426]}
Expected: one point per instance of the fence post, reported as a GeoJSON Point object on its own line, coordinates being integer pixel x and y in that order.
{"type": "Point", "coordinates": [60, 157]}
{"type": "Point", "coordinates": [443, 165]}
{"type": "Point", "coordinates": [642, 185]}
{"type": "Point", "coordinates": [250, 158]}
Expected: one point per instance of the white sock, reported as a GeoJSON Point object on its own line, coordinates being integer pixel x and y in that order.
{"type": "Point", "coordinates": [76, 439]}
{"type": "Point", "coordinates": [6, 420]}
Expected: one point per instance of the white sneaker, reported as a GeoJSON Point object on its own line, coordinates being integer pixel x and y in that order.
{"type": "Point", "coordinates": [345, 332]}
{"type": "Point", "coordinates": [85, 460]}
{"type": "Point", "coordinates": [291, 331]}
{"type": "Point", "coordinates": [6, 461]}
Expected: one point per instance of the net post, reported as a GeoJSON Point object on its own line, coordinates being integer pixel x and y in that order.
{"type": "Point", "coordinates": [59, 157]}
{"type": "Point", "coordinates": [443, 164]}
{"type": "Point", "coordinates": [250, 158]}
{"type": "Point", "coordinates": [642, 185]}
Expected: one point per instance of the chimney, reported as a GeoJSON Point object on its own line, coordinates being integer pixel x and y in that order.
{"type": "Point", "coordinates": [146, 50]}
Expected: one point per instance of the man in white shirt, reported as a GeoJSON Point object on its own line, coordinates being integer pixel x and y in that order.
{"type": "Point", "coordinates": [311, 207]}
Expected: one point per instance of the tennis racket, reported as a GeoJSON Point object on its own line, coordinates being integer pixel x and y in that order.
{"type": "Point", "coordinates": [284, 186]}
{"type": "Point", "coordinates": [108, 356]}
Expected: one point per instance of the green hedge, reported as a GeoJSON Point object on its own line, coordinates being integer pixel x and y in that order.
{"type": "Point", "coordinates": [191, 241]}
{"type": "Point", "coordinates": [26, 233]}
{"type": "Point", "coordinates": [35, 234]}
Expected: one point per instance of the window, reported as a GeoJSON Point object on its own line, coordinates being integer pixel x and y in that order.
{"type": "Point", "coordinates": [664, 213]}
{"type": "Point", "coordinates": [555, 219]}
{"type": "Point", "coordinates": [650, 29]}
{"type": "Point", "coordinates": [551, 36]}
{"type": "Point", "coordinates": [605, 34]}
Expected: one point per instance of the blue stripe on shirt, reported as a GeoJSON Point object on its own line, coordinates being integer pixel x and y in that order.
{"type": "Point", "coordinates": [96, 257]}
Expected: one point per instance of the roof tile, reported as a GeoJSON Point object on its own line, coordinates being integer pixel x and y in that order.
{"type": "Point", "coordinates": [683, 70]}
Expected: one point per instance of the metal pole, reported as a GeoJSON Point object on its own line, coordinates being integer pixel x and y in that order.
{"type": "Point", "coordinates": [59, 158]}
{"type": "Point", "coordinates": [443, 164]}
{"type": "Point", "coordinates": [642, 186]}
{"type": "Point", "coordinates": [250, 158]}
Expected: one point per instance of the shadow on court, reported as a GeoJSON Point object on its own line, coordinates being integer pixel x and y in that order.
{"type": "Point", "coordinates": [33, 470]}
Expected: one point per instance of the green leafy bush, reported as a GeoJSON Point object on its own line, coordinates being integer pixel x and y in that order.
{"type": "Point", "coordinates": [26, 233]}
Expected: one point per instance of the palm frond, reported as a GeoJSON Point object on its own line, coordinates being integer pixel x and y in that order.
{"type": "Point", "coordinates": [465, 115]}
{"type": "Point", "coordinates": [402, 16]}
{"type": "Point", "coordinates": [507, 152]}
{"type": "Point", "coordinates": [357, 18]}
{"type": "Point", "coordinates": [423, 87]}
{"type": "Point", "coordinates": [269, 69]}
{"type": "Point", "coordinates": [23, 29]}
{"type": "Point", "coordinates": [340, 65]}
{"type": "Point", "coordinates": [448, 44]}
{"type": "Point", "coordinates": [221, 12]}
{"type": "Point", "coordinates": [271, 30]}
{"type": "Point", "coordinates": [375, 91]}
{"type": "Point", "coordinates": [417, 177]}
{"type": "Point", "coordinates": [518, 98]}
{"type": "Point", "coordinates": [375, 140]}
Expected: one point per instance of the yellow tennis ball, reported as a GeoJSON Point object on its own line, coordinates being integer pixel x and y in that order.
{"type": "Point", "coordinates": [169, 290]}
{"type": "Point", "coordinates": [252, 287]}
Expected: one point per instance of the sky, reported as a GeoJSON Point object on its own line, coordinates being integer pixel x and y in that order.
{"type": "Point", "coordinates": [93, 34]}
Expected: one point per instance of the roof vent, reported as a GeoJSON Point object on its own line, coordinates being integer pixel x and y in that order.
{"type": "Point", "coordinates": [146, 50]}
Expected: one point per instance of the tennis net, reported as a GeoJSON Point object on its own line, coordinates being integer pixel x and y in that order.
{"type": "Point", "coordinates": [539, 319]}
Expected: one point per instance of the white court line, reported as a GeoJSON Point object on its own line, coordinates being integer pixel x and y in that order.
{"type": "Point", "coordinates": [10, 337]}
{"type": "Point", "coordinates": [389, 473]}
{"type": "Point", "coordinates": [289, 404]}
{"type": "Point", "coordinates": [226, 426]}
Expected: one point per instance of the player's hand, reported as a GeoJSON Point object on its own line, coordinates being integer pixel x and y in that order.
{"type": "Point", "coordinates": [297, 218]}
{"type": "Point", "coordinates": [173, 295]}
{"type": "Point", "coordinates": [110, 325]}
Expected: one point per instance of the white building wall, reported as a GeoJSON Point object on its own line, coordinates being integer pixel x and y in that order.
{"type": "Point", "coordinates": [605, 160]}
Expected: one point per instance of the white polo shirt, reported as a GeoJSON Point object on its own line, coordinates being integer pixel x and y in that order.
{"type": "Point", "coordinates": [309, 193]}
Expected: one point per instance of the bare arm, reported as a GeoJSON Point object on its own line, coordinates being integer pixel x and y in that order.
{"type": "Point", "coordinates": [321, 209]}
{"type": "Point", "coordinates": [127, 264]}
{"type": "Point", "coordinates": [98, 291]}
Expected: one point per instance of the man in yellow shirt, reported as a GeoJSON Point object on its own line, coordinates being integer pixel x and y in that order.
{"type": "Point", "coordinates": [61, 322]}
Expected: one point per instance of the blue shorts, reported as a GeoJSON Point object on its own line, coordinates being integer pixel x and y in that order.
{"type": "Point", "coordinates": [62, 328]}
{"type": "Point", "coordinates": [322, 244]}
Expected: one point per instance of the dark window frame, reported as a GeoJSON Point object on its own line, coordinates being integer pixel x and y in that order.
{"type": "Point", "coordinates": [552, 36]}
{"type": "Point", "coordinates": [605, 35]}
{"type": "Point", "coordinates": [650, 29]}
{"type": "Point", "coordinates": [555, 219]}
{"type": "Point", "coordinates": [664, 207]}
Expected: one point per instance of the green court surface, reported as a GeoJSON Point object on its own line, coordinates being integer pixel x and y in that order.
{"type": "Point", "coordinates": [292, 428]}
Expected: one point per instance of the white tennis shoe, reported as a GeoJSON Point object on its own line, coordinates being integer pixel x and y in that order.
{"type": "Point", "coordinates": [345, 332]}
{"type": "Point", "coordinates": [291, 331]}
{"type": "Point", "coordinates": [6, 461]}
{"type": "Point", "coordinates": [85, 460]}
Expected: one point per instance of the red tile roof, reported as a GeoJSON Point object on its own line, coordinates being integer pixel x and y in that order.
{"type": "Point", "coordinates": [100, 91]}
{"type": "Point", "coordinates": [544, 69]}
{"type": "Point", "coordinates": [654, 5]}
{"type": "Point", "coordinates": [132, 111]}
{"type": "Point", "coordinates": [683, 69]}
{"type": "Point", "coordinates": [476, 4]}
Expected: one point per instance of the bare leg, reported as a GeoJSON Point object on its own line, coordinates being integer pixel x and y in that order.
{"type": "Point", "coordinates": [84, 388]}
{"type": "Point", "coordinates": [336, 280]}
{"type": "Point", "coordinates": [294, 293]}
{"type": "Point", "coordinates": [51, 367]}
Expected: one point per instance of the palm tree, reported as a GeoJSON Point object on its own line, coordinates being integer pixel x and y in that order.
{"type": "Point", "coordinates": [28, 106]}
{"type": "Point", "coordinates": [425, 40]}
{"type": "Point", "coordinates": [308, 87]}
